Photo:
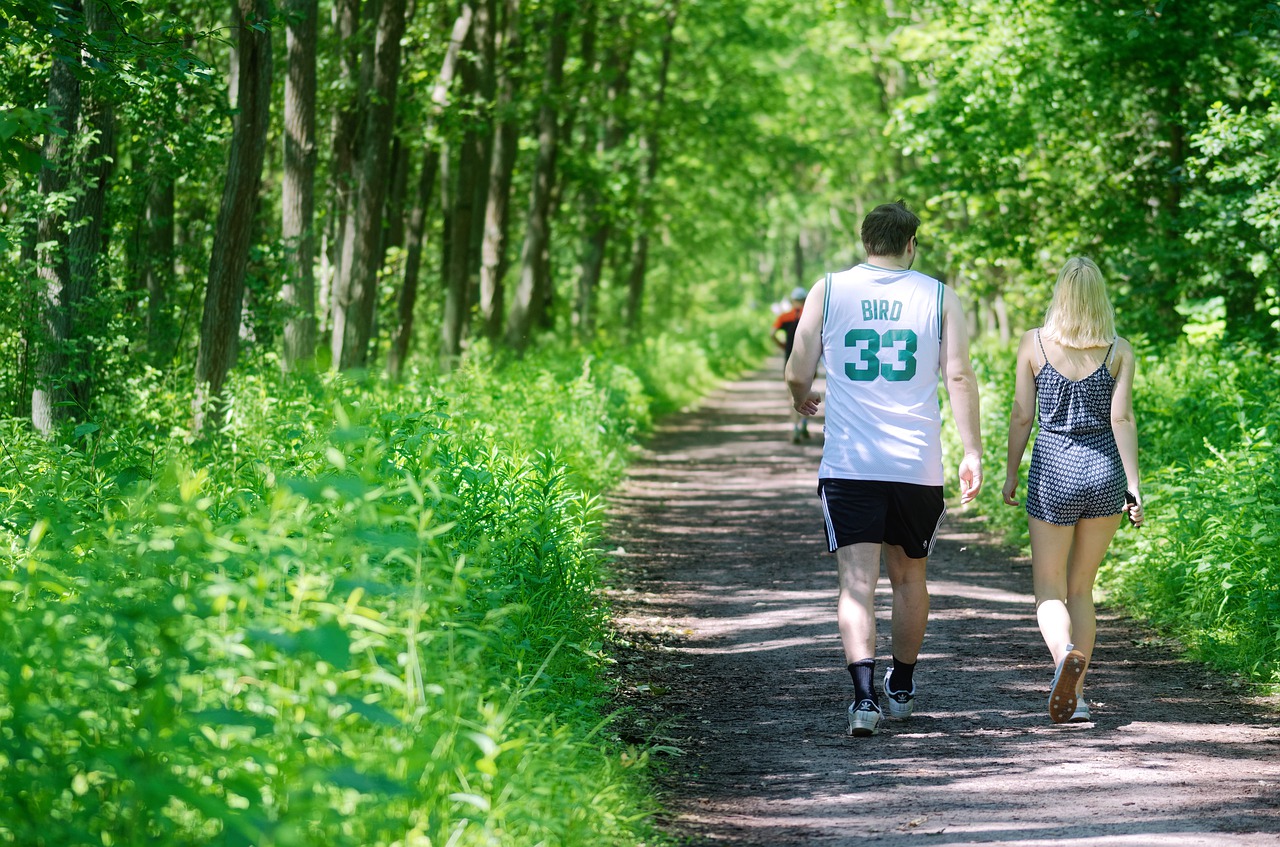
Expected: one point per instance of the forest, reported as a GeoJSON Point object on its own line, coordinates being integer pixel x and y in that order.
{"type": "Point", "coordinates": [327, 325]}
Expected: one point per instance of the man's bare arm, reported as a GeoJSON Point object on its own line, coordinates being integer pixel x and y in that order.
{"type": "Point", "coordinates": [962, 391]}
{"type": "Point", "coordinates": [802, 367]}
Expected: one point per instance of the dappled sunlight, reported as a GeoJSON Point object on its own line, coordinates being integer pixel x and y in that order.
{"type": "Point", "coordinates": [985, 594]}
{"type": "Point", "coordinates": [725, 531]}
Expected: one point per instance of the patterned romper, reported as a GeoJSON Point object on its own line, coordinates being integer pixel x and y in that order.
{"type": "Point", "coordinates": [1075, 464]}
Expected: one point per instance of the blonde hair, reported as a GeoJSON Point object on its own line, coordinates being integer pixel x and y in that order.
{"type": "Point", "coordinates": [1080, 313]}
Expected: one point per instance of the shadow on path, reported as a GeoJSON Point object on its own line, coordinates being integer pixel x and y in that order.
{"type": "Point", "coordinates": [723, 572]}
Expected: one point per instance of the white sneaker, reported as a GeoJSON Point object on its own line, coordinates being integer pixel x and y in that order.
{"type": "Point", "coordinates": [864, 718]}
{"type": "Point", "coordinates": [1081, 714]}
{"type": "Point", "coordinates": [901, 703]}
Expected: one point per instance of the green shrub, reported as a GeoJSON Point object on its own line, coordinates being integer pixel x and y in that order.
{"type": "Point", "coordinates": [362, 613]}
{"type": "Point", "coordinates": [1206, 565]}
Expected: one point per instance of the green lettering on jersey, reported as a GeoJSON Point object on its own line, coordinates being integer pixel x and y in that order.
{"type": "Point", "coordinates": [881, 310]}
{"type": "Point", "coordinates": [868, 343]}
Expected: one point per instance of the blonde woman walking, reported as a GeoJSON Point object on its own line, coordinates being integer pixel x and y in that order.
{"type": "Point", "coordinates": [1079, 374]}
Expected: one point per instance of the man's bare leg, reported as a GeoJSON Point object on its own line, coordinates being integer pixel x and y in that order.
{"type": "Point", "coordinates": [859, 566]}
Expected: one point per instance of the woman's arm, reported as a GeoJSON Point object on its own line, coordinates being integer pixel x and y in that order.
{"type": "Point", "coordinates": [1022, 415]}
{"type": "Point", "coordinates": [1124, 426]}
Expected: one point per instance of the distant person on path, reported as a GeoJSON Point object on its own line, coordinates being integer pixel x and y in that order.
{"type": "Point", "coordinates": [784, 335]}
{"type": "Point", "coordinates": [1079, 374]}
{"type": "Point", "coordinates": [886, 334]}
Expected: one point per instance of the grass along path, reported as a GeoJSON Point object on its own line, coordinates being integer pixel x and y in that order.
{"type": "Point", "coordinates": [726, 596]}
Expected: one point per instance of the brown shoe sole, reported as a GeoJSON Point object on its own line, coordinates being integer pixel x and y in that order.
{"type": "Point", "coordinates": [1062, 700]}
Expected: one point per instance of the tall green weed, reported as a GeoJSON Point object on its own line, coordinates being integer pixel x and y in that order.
{"type": "Point", "coordinates": [1206, 564]}
{"type": "Point", "coordinates": [361, 614]}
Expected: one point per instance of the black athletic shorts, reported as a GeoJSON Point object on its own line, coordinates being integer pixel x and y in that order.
{"type": "Point", "coordinates": [860, 511]}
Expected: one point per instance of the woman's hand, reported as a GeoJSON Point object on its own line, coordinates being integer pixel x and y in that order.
{"type": "Point", "coordinates": [1134, 508]}
{"type": "Point", "coordinates": [1010, 489]}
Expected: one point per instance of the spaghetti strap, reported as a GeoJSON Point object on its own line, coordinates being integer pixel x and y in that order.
{"type": "Point", "coordinates": [1043, 355]}
{"type": "Point", "coordinates": [1111, 353]}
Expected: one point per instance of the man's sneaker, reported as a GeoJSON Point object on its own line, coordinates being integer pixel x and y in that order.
{"type": "Point", "coordinates": [1062, 699]}
{"type": "Point", "coordinates": [1081, 714]}
{"type": "Point", "coordinates": [864, 718]}
{"type": "Point", "coordinates": [901, 703]}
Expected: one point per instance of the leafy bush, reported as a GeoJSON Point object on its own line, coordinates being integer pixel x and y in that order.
{"type": "Point", "coordinates": [1206, 566]}
{"type": "Point", "coordinates": [361, 614]}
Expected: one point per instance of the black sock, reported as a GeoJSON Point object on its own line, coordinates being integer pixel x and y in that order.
{"type": "Point", "coordinates": [900, 678]}
{"type": "Point", "coordinates": [863, 673]}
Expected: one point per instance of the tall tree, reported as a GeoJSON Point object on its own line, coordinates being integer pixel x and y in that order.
{"type": "Point", "coordinates": [531, 290]}
{"type": "Point", "coordinates": [652, 144]}
{"type": "Point", "coordinates": [159, 234]}
{"type": "Point", "coordinates": [355, 286]}
{"type": "Point", "coordinates": [415, 238]}
{"type": "Point", "coordinates": [73, 268]}
{"type": "Point", "coordinates": [50, 399]}
{"type": "Point", "coordinates": [224, 288]}
{"type": "Point", "coordinates": [506, 137]}
{"type": "Point", "coordinates": [344, 122]}
{"type": "Point", "coordinates": [460, 176]}
{"type": "Point", "coordinates": [597, 213]}
{"type": "Point", "coordinates": [297, 198]}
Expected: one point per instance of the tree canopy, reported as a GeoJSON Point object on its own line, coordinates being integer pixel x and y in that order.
{"type": "Point", "coordinates": [369, 184]}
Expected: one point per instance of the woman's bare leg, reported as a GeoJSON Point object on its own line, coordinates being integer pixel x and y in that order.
{"type": "Point", "coordinates": [1092, 538]}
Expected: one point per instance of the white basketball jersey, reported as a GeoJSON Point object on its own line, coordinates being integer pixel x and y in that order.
{"type": "Point", "coordinates": [881, 337]}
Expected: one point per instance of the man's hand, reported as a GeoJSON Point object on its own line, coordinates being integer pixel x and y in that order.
{"type": "Point", "coordinates": [809, 405]}
{"type": "Point", "coordinates": [970, 478]}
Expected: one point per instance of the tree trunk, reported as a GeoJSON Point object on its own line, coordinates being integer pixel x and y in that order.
{"type": "Point", "coordinates": [345, 121]}
{"type": "Point", "coordinates": [50, 397]}
{"type": "Point", "coordinates": [27, 320]}
{"type": "Point", "coordinates": [529, 305]}
{"type": "Point", "coordinates": [355, 288]}
{"type": "Point", "coordinates": [460, 194]}
{"type": "Point", "coordinates": [640, 249]}
{"type": "Point", "coordinates": [397, 191]}
{"type": "Point", "coordinates": [416, 236]}
{"type": "Point", "coordinates": [158, 268]}
{"type": "Point", "coordinates": [75, 274]}
{"type": "Point", "coordinates": [224, 290]}
{"type": "Point", "coordinates": [412, 264]}
{"type": "Point", "coordinates": [506, 137]}
{"type": "Point", "coordinates": [88, 240]}
{"type": "Point", "coordinates": [596, 213]}
{"type": "Point", "coordinates": [297, 198]}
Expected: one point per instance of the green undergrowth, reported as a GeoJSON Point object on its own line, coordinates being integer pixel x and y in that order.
{"type": "Point", "coordinates": [1205, 567]}
{"type": "Point", "coordinates": [361, 614]}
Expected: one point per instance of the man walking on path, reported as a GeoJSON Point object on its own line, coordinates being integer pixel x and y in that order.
{"type": "Point", "coordinates": [886, 333]}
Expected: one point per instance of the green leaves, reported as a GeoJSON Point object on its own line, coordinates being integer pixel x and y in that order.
{"type": "Point", "coordinates": [326, 627]}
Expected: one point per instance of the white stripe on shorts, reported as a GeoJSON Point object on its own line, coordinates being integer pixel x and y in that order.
{"type": "Point", "coordinates": [933, 540]}
{"type": "Point", "coordinates": [826, 516]}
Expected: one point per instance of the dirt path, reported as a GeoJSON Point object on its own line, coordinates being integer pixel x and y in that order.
{"type": "Point", "coordinates": [726, 594]}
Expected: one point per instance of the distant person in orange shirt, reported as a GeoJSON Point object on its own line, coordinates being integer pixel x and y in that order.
{"type": "Point", "coordinates": [784, 335]}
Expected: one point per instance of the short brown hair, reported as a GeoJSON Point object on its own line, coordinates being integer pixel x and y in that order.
{"type": "Point", "coordinates": [887, 228]}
